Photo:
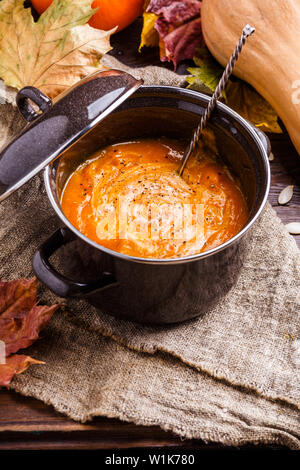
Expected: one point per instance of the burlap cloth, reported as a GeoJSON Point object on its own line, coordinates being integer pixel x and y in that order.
{"type": "Point", "coordinates": [231, 376]}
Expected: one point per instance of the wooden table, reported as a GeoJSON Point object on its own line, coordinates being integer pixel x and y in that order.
{"type": "Point", "coordinates": [27, 423]}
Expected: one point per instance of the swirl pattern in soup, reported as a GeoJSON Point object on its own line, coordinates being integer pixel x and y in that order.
{"type": "Point", "coordinates": [130, 198]}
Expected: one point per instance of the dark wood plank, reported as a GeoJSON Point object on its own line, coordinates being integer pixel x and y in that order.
{"type": "Point", "coordinates": [26, 423]}
{"type": "Point", "coordinates": [29, 423]}
{"type": "Point", "coordinates": [285, 170]}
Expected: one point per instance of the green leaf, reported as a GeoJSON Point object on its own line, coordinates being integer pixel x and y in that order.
{"type": "Point", "coordinates": [208, 72]}
{"type": "Point", "coordinates": [238, 95]}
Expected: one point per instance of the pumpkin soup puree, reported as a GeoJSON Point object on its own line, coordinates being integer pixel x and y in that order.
{"type": "Point", "coordinates": [129, 198]}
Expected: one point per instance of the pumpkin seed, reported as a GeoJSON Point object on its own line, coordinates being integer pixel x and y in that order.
{"type": "Point", "coordinates": [286, 195]}
{"type": "Point", "coordinates": [271, 156]}
{"type": "Point", "coordinates": [293, 228]}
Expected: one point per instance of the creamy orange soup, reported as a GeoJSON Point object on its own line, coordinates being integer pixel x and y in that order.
{"type": "Point", "coordinates": [130, 198]}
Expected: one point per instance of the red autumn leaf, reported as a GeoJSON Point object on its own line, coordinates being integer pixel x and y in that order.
{"type": "Point", "coordinates": [12, 291]}
{"type": "Point", "coordinates": [21, 320]}
{"type": "Point", "coordinates": [179, 27]}
{"type": "Point", "coordinates": [175, 12]}
{"type": "Point", "coordinates": [182, 42]}
{"type": "Point", "coordinates": [15, 364]}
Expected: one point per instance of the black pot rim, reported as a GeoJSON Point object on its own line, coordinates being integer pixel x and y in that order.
{"type": "Point", "coordinates": [177, 92]}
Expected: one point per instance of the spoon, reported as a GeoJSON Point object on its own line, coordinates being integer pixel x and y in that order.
{"type": "Point", "coordinates": [247, 31]}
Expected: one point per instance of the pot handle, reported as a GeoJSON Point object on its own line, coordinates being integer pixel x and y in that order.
{"type": "Point", "coordinates": [57, 283]}
{"type": "Point", "coordinates": [43, 102]}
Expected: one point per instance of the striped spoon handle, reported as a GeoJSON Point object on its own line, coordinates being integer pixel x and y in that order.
{"type": "Point", "coordinates": [247, 31]}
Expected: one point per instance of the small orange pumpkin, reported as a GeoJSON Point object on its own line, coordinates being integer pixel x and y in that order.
{"type": "Point", "coordinates": [110, 13]}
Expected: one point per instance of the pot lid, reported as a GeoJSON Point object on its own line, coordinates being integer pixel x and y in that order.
{"type": "Point", "coordinates": [58, 124]}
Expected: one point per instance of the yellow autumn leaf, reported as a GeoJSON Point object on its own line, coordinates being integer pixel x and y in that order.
{"type": "Point", "coordinates": [248, 103]}
{"type": "Point", "coordinates": [149, 36]}
{"type": "Point", "coordinates": [238, 94]}
{"type": "Point", "coordinates": [52, 53]}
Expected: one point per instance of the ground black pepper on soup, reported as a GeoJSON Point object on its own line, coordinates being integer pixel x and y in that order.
{"type": "Point", "coordinates": [129, 198]}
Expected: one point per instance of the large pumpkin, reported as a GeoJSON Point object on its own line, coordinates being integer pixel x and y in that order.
{"type": "Point", "coordinates": [270, 61]}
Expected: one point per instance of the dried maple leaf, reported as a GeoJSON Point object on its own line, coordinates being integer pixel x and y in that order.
{"type": "Point", "coordinates": [52, 53]}
{"type": "Point", "coordinates": [15, 364]}
{"type": "Point", "coordinates": [252, 106]}
{"type": "Point", "coordinates": [21, 320]}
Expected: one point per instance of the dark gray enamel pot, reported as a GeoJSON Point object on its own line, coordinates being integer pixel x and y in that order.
{"type": "Point", "coordinates": [155, 291]}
